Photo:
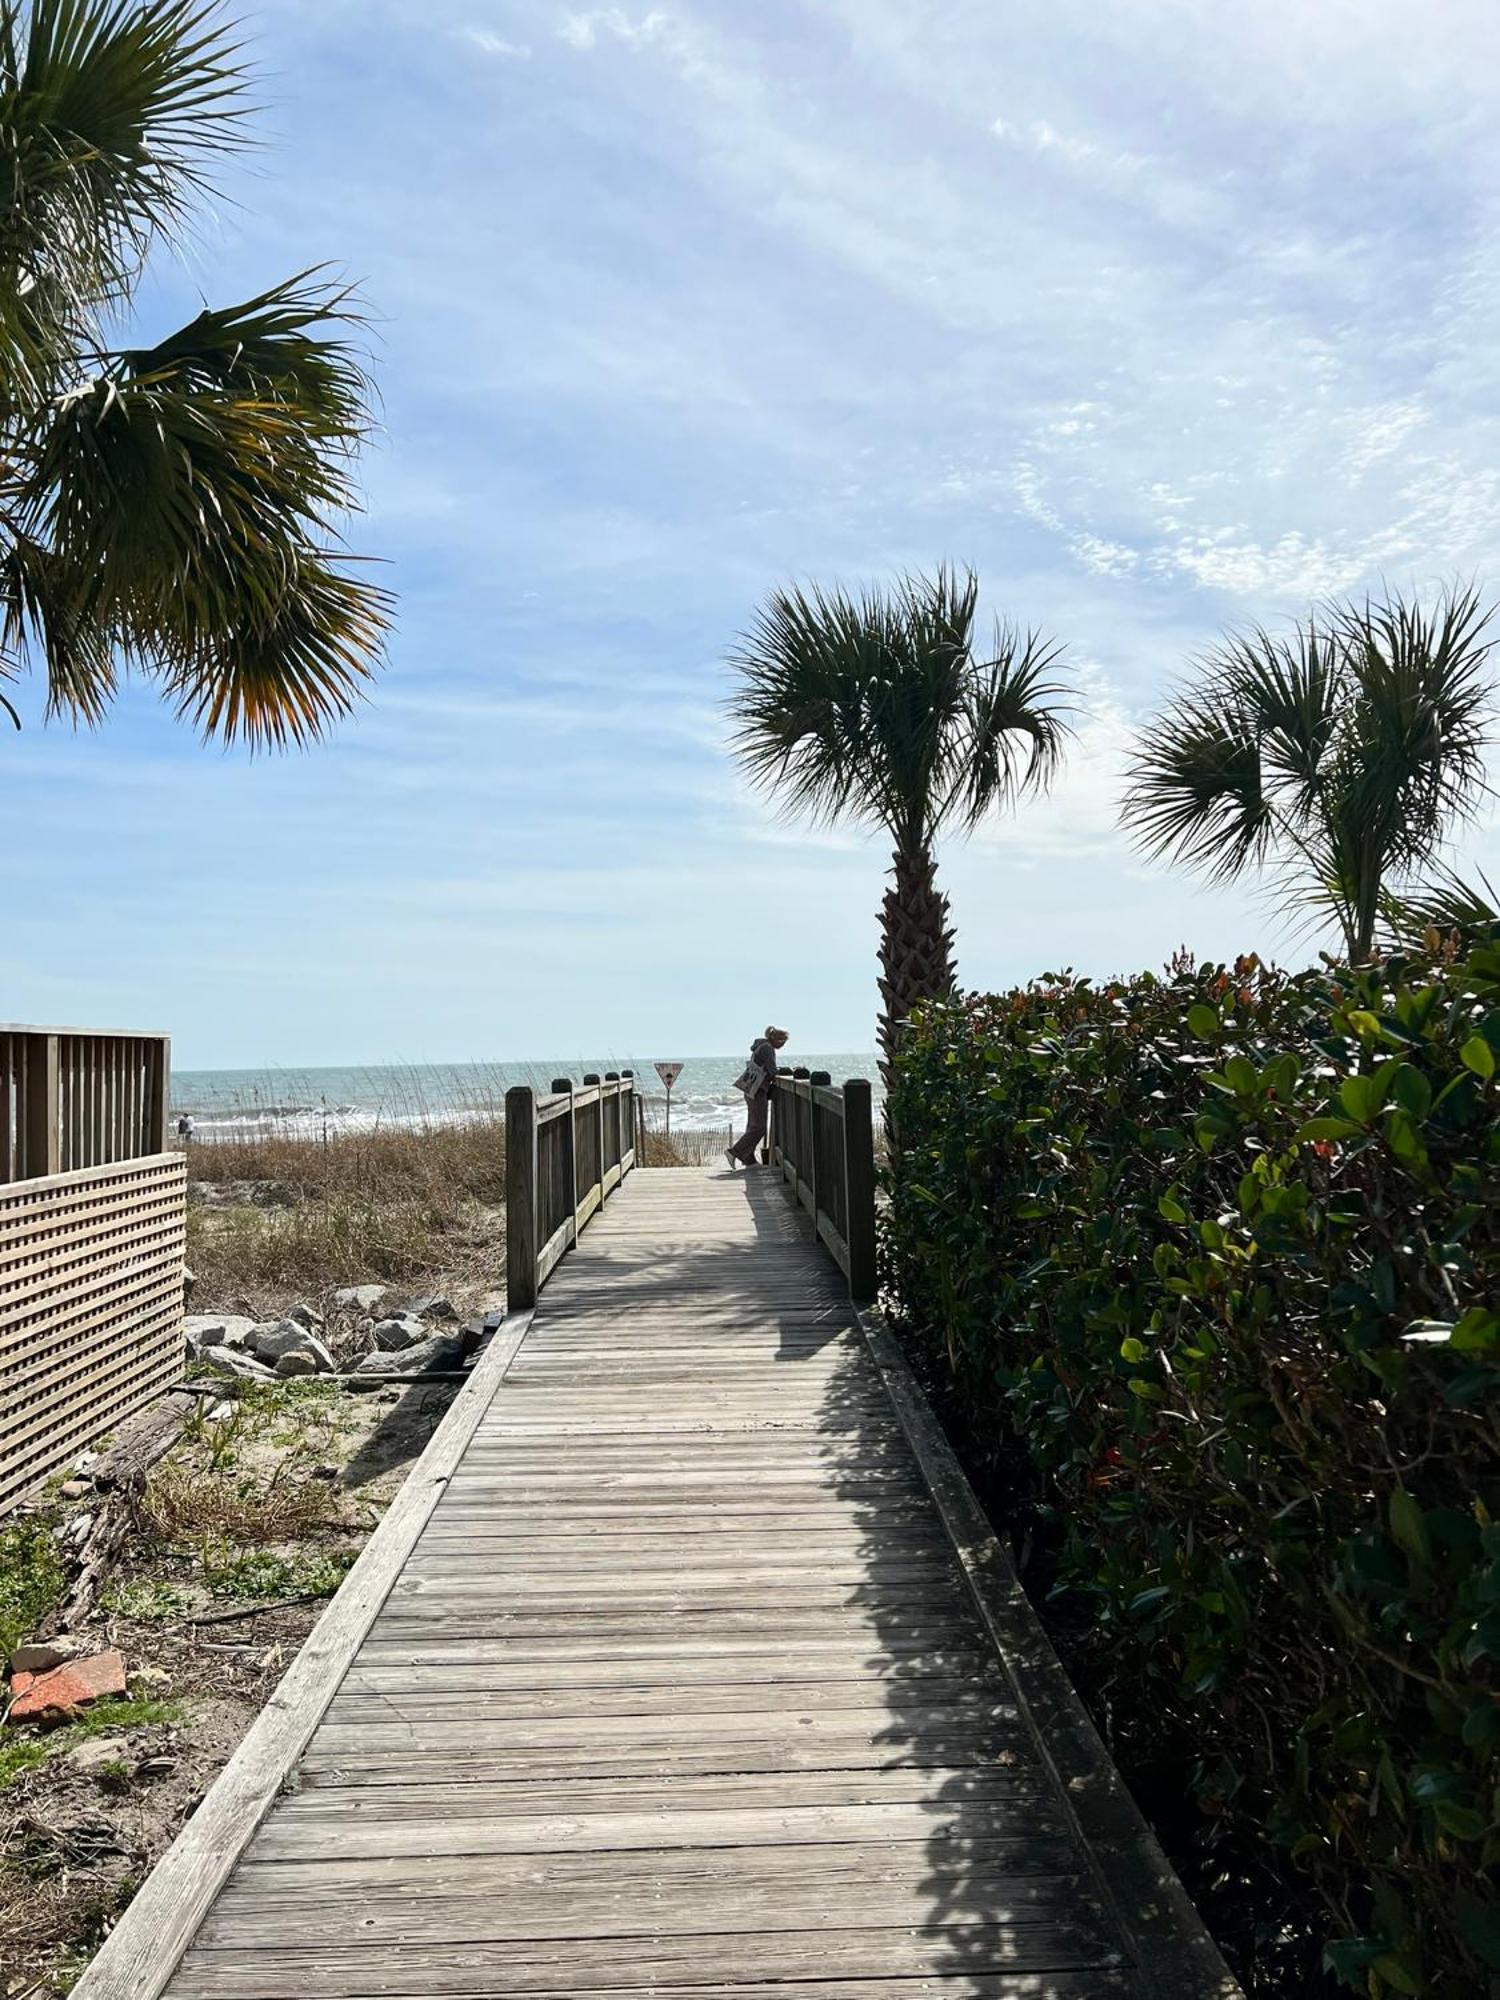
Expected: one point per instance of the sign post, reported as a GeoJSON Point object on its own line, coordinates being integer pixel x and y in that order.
{"type": "Point", "coordinates": [669, 1073]}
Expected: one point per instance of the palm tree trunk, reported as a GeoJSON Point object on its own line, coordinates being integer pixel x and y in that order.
{"type": "Point", "coordinates": [916, 948]}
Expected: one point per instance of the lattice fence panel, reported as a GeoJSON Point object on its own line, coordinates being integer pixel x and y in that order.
{"type": "Point", "coordinates": [91, 1270]}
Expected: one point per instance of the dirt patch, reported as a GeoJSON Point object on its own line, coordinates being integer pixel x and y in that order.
{"type": "Point", "coordinates": [243, 1530]}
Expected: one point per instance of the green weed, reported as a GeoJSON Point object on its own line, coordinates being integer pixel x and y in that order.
{"type": "Point", "coordinates": [31, 1578]}
{"type": "Point", "coordinates": [263, 1574]}
{"type": "Point", "coordinates": [147, 1601]}
{"type": "Point", "coordinates": [106, 1718]}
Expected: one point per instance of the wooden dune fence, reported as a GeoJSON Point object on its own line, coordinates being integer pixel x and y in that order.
{"type": "Point", "coordinates": [565, 1153]}
{"type": "Point", "coordinates": [92, 1234]}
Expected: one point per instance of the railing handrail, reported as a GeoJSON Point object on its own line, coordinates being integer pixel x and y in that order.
{"type": "Point", "coordinates": [111, 1034]}
{"type": "Point", "coordinates": [834, 1181]}
{"type": "Point", "coordinates": [550, 1202]}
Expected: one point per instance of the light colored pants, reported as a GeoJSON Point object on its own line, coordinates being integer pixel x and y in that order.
{"type": "Point", "coordinates": [757, 1110]}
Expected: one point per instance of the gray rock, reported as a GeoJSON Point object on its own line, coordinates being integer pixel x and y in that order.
{"type": "Point", "coordinates": [229, 1361]}
{"type": "Point", "coordinates": [308, 1316]}
{"type": "Point", "coordinates": [431, 1309]}
{"type": "Point", "coordinates": [392, 1335]}
{"type": "Point", "coordinates": [202, 1330]}
{"type": "Point", "coordinates": [97, 1751]}
{"type": "Point", "coordinates": [290, 1336]}
{"type": "Point", "coordinates": [443, 1352]}
{"type": "Point", "coordinates": [296, 1364]}
{"type": "Point", "coordinates": [360, 1298]}
{"type": "Point", "coordinates": [40, 1656]}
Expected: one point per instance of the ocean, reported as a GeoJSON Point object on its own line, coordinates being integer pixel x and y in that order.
{"type": "Point", "coordinates": [235, 1103]}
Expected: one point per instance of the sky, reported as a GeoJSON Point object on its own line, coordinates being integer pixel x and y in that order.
{"type": "Point", "coordinates": [1164, 316]}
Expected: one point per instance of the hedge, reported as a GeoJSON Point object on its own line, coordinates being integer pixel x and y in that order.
{"type": "Point", "coordinates": [1214, 1259]}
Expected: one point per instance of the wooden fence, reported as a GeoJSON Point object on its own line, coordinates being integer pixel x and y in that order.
{"type": "Point", "coordinates": [92, 1234]}
{"type": "Point", "coordinates": [823, 1141]}
{"type": "Point", "coordinates": [565, 1153]}
{"type": "Point", "coordinates": [71, 1098]}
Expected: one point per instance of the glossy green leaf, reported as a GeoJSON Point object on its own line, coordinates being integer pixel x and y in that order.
{"type": "Point", "coordinates": [1363, 1095]}
{"type": "Point", "coordinates": [1408, 1525]}
{"type": "Point", "coordinates": [1477, 1055]}
{"type": "Point", "coordinates": [1409, 1088]}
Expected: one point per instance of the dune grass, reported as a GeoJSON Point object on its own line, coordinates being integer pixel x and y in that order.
{"type": "Point", "coordinates": [403, 1204]}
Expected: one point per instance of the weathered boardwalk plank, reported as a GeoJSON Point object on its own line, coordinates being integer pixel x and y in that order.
{"type": "Point", "coordinates": [685, 1687]}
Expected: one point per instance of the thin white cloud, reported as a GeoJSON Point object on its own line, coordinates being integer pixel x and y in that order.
{"type": "Point", "coordinates": [492, 44]}
{"type": "Point", "coordinates": [582, 31]}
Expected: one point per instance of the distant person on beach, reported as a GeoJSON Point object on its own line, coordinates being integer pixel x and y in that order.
{"type": "Point", "coordinates": [756, 1080]}
{"type": "Point", "coordinates": [185, 1126]}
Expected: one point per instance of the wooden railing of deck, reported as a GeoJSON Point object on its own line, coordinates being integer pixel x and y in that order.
{"type": "Point", "coordinates": [71, 1097]}
{"type": "Point", "coordinates": [93, 1216]}
{"type": "Point", "coordinates": [565, 1154]}
{"type": "Point", "coordinates": [823, 1141]}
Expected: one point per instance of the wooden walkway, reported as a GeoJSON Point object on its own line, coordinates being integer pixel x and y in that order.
{"type": "Point", "coordinates": [682, 1688]}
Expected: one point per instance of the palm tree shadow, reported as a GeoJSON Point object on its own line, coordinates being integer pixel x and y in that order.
{"type": "Point", "coordinates": [1004, 1886]}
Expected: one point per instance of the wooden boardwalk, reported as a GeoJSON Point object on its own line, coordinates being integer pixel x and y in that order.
{"type": "Point", "coordinates": [682, 1688]}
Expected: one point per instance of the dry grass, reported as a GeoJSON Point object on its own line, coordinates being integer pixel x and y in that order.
{"type": "Point", "coordinates": [410, 1204]}
{"type": "Point", "coordinates": [428, 1163]}
{"type": "Point", "coordinates": [183, 1502]}
{"type": "Point", "coordinates": [683, 1149]}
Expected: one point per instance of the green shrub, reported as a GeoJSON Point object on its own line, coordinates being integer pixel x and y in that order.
{"type": "Point", "coordinates": [1221, 1251]}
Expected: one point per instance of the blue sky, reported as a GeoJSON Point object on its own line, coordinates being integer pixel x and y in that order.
{"type": "Point", "coordinates": [1162, 315]}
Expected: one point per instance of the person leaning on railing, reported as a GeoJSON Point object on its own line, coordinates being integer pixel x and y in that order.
{"type": "Point", "coordinates": [756, 1081]}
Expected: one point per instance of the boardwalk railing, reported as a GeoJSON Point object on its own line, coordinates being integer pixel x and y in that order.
{"type": "Point", "coordinates": [823, 1141]}
{"type": "Point", "coordinates": [565, 1153]}
{"type": "Point", "coordinates": [92, 1231]}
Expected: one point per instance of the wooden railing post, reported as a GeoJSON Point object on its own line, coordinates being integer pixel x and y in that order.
{"type": "Point", "coordinates": [628, 1119]}
{"type": "Point", "coordinates": [859, 1188]}
{"type": "Point", "coordinates": [159, 1096]}
{"type": "Point", "coordinates": [613, 1076]}
{"type": "Point", "coordinates": [521, 1243]}
{"type": "Point", "coordinates": [570, 1173]}
{"type": "Point", "coordinates": [816, 1077]}
{"type": "Point", "coordinates": [595, 1078]}
{"type": "Point", "coordinates": [42, 1145]}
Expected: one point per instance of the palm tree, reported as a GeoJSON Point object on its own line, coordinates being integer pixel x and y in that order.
{"type": "Point", "coordinates": [1341, 756]}
{"type": "Point", "coordinates": [167, 509]}
{"type": "Point", "coordinates": [873, 708]}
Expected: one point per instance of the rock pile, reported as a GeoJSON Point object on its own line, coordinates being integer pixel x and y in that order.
{"type": "Point", "coordinates": [232, 1344]}
{"type": "Point", "coordinates": [421, 1338]}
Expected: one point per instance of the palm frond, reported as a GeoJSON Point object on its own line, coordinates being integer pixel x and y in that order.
{"type": "Point", "coordinates": [872, 706]}
{"type": "Point", "coordinates": [1446, 901]}
{"type": "Point", "coordinates": [187, 496]}
{"type": "Point", "coordinates": [111, 114]}
{"type": "Point", "coordinates": [1347, 751]}
{"type": "Point", "coordinates": [300, 665]}
{"type": "Point", "coordinates": [1015, 727]}
{"type": "Point", "coordinates": [1288, 694]}
{"type": "Point", "coordinates": [172, 508]}
{"type": "Point", "coordinates": [1197, 790]}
